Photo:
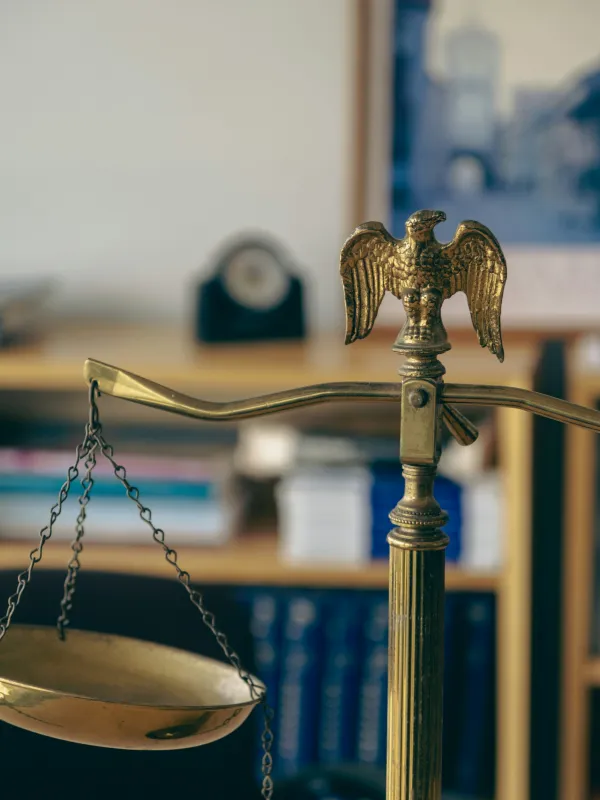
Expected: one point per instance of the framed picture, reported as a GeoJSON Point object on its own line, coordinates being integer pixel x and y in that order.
{"type": "Point", "coordinates": [490, 110]}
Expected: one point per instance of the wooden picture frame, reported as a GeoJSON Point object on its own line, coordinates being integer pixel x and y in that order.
{"type": "Point", "coordinates": [562, 304]}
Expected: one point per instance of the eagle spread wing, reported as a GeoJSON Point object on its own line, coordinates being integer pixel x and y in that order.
{"type": "Point", "coordinates": [473, 262]}
{"type": "Point", "coordinates": [365, 265]}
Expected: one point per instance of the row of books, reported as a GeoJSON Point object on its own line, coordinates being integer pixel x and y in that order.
{"type": "Point", "coordinates": [325, 512]}
{"type": "Point", "coordinates": [341, 513]}
{"type": "Point", "coordinates": [332, 503]}
{"type": "Point", "coordinates": [323, 658]}
{"type": "Point", "coordinates": [192, 499]}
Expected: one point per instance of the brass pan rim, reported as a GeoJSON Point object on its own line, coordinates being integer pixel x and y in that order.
{"type": "Point", "coordinates": [107, 701]}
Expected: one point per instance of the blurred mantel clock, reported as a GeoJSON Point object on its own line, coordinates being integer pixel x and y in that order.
{"type": "Point", "coordinates": [252, 293]}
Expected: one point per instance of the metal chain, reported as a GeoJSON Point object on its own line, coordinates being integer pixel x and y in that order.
{"type": "Point", "coordinates": [93, 428]}
{"type": "Point", "coordinates": [35, 556]}
{"type": "Point", "coordinates": [87, 484]}
{"type": "Point", "coordinates": [208, 618]}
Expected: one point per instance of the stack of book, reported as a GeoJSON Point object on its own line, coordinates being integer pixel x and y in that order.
{"type": "Point", "coordinates": [341, 514]}
{"type": "Point", "coordinates": [190, 499]}
{"type": "Point", "coordinates": [324, 514]}
{"type": "Point", "coordinates": [323, 657]}
{"type": "Point", "coordinates": [330, 511]}
{"type": "Point", "coordinates": [388, 488]}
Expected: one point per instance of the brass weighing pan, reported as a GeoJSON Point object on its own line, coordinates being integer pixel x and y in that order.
{"type": "Point", "coordinates": [113, 691]}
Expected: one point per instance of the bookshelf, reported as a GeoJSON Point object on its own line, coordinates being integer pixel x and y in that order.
{"type": "Point", "coordinates": [39, 378]}
{"type": "Point", "coordinates": [249, 560]}
{"type": "Point", "coordinates": [581, 669]}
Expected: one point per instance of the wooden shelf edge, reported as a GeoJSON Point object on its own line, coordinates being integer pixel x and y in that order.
{"type": "Point", "coordinates": [247, 560]}
{"type": "Point", "coordinates": [591, 671]}
{"type": "Point", "coordinates": [169, 355]}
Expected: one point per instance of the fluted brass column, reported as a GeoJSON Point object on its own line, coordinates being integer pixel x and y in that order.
{"type": "Point", "coordinates": [416, 641]}
{"type": "Point", "coordinates": [416, 599]}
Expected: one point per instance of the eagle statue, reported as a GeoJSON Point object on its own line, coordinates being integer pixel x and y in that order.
{"type": "Point", "coordinates": [423, 272]}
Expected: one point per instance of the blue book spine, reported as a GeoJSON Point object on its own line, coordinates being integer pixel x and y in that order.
{"type": "Point", "coordinates": [296, 743]}
{"type": "Point", "coordinates": [339, 687]}
{"type": "Point", "coordinates": [452, 673]}
{"type": "Point", "coordinates": [448, 493]}
{"type": "Point", "coordinates": [372, 699]}
{"type": "Point", "coordinates": [474, 758]}
{"type": "Point", "coordinates": [105, 486]}
{"type": "Point", "coordinates": [265, 626]}
{"type": "Point", "coordinates": [388, 487]}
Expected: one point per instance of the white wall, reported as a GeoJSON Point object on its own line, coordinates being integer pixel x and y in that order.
{"type": "Point", "coordinates": [137, 134]}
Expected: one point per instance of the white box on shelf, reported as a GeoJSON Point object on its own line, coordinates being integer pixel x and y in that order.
{"type": "Point", "coordinates": [325, 515]}
{"type": "Point", "coordinates": [481, 545]}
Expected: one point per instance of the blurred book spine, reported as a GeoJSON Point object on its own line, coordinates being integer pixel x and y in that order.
{"type": "Point", "coordinates": [17, 462]}
{"type": "Point", "coordinates": [323, 656]}
{"type": "Point", "coordinates": [372, 697]}
{"type": "Point", "coordinates": [299, 701]}
{"type": "Point", "coordinates": [265, 626]}
{"type": "Point", "coordinates": [475, 750]}
{"type": "Point", "coordinates": [193, 500]}
{"type": "Point", "coordinates": [339, 689]}
{"type": "Point", "coordinates": [452, 680]}
{"type": "Point", "coordinates": [388, 487]}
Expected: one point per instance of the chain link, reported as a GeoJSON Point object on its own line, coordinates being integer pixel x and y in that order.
{"type": "Point", "coordinates": [94, 443]}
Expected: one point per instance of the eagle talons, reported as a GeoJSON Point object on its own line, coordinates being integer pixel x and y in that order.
{"type": "Point", "coordinates": [423, 328]}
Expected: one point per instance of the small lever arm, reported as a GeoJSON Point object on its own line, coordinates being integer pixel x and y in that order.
{"type": "Point", "coordinates": [524, 399]}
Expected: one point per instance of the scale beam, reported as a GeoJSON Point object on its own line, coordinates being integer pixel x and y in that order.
{"type": "Point", "coordinates": [129, 386]}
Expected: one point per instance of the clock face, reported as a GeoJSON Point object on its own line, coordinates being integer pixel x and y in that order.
{"type": "Point", "coordinates": [255, 279]}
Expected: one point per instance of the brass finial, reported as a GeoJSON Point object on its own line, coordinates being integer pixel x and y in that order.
{"type": "Point", "coordinates": [423, 272]}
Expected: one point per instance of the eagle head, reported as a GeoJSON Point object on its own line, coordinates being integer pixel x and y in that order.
{"type": "Point", "coordinates": [420, 225]}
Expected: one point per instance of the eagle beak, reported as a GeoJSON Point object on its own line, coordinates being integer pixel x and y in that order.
{"type": "Point", "coordinates": [440, 216]}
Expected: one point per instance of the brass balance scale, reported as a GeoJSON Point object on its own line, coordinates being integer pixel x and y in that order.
{"type": "Point", "coordinates": [117, 692]}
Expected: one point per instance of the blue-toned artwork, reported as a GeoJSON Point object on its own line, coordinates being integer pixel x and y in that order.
{"type": "Point", "coordinates": [497, 116]}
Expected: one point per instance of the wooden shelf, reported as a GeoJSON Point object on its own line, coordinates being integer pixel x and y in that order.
{"type": "Point", "coordinates": [170, 356]}
{"type": "Point", "coordinates": [248, 560]}
{"type": "Point", "coordinates": [591, 671]}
